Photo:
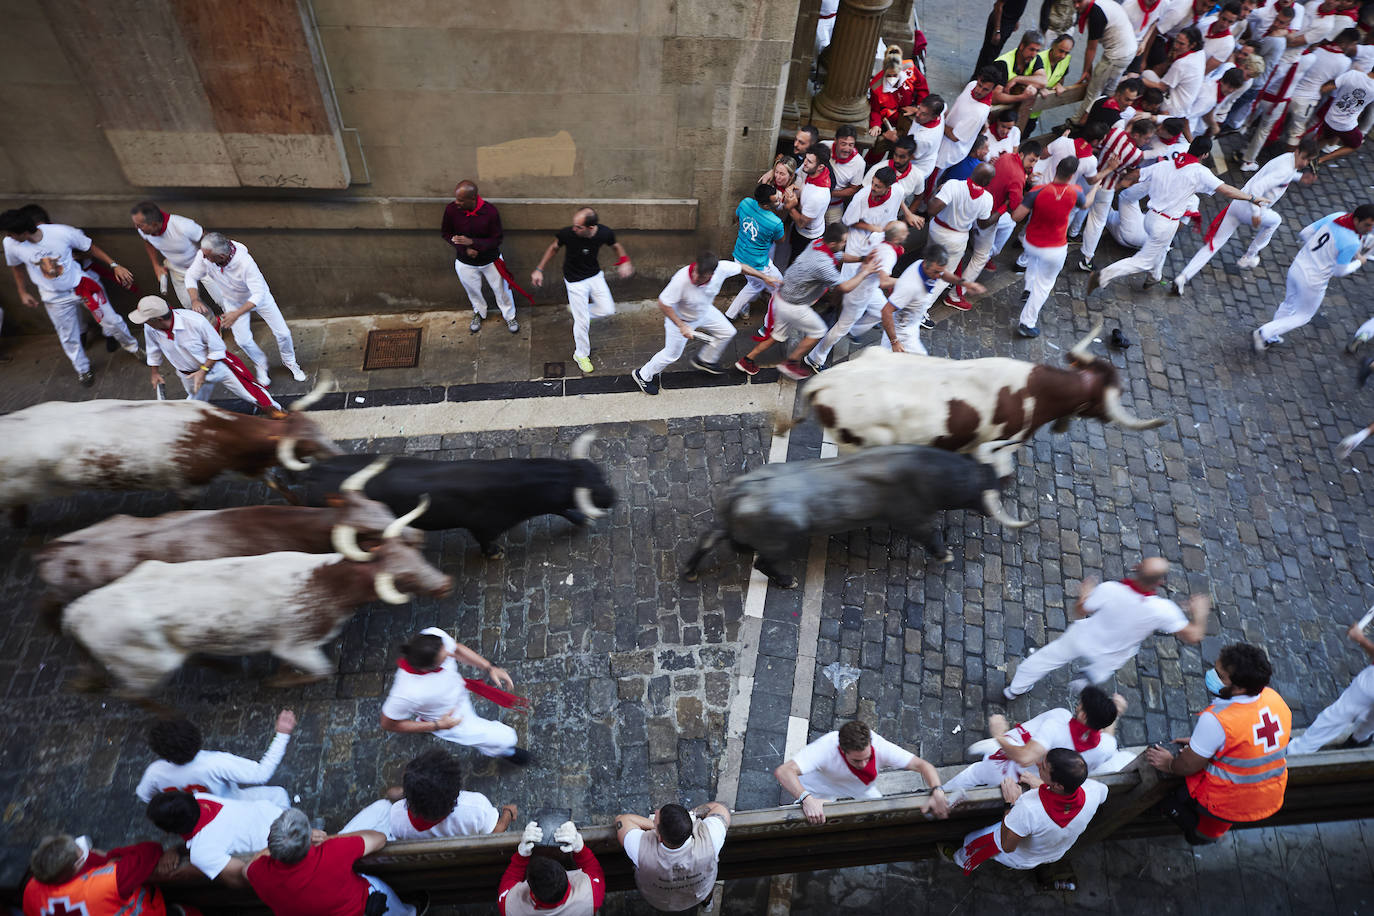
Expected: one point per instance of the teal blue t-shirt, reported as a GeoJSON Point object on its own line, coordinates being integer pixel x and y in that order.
{"type": "Point", "coordinates": [759, 228]}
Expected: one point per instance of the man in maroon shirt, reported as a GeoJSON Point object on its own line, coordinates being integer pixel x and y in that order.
{"type": "Point", "coordinates": [1007, 187]}
{"type": "Point", "coordinates": [473, 227]}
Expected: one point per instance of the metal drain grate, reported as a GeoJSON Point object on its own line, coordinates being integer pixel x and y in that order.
{"type": "Point", "coordinates": [396, 349]}
{"type": "Point", "coordinates": [554, 370]}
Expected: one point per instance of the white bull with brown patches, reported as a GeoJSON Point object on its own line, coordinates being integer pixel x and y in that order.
{"type": "Point", "coordinates": [142, 627]}
{"type": "Point", "coordinates": [884, 398]}
{"type": "Point", "coordinates": [62, 447]}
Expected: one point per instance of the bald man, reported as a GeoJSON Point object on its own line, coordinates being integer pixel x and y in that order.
{"type": "Point", "coordinates": [583, 277]}
{"type": "Point", "coordinates": [1116, 618]}
{"type": "Point", "coordinates": [473, 227]}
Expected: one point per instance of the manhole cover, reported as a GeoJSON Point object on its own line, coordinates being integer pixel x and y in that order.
{"type": "Point", "coordinates": [397, 349]}
{"type": "Point", "coordinates": [554, 370]}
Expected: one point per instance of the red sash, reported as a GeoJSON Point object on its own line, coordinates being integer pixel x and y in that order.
{"type": "Point", "coordinates": [868, 773]}
{"type": "Point", "coordinates": [981, 848]}
{"type": "Point", "coordinates": [93, 296]}
{"type": "Point", "coordinates": [510, 281]}
{"type": "Point", "coordinates": [1209, 236]}
{"type": "Point", "coordinates": [1020, 732]}
{"type": "Point", "coordinates": [1083, 18]}
{"type": "Point", "coordinates": [246, 378]}
{"type": "Point", "coordinates": [1062, 808]}
{"type": "Point", "coordinates": [481, 688]}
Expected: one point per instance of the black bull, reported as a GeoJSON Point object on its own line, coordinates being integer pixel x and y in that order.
{"type": "Point", "coordinates": [777, 506]}
{"type": "Point", "coordinates": [485, 497]}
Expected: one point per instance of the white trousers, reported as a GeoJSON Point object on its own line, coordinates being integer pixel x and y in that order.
{"type": "Point", "coordinates": [750, 291]}
{"type": "Point", "coordinates": [709, 323]}
{"type": "Point", "coordinates": [952, 241]}
{"type": "Point", "coordinates": [495, 739]}
{"type": "Point", "coordinates": [602, 305]}
{"type": "Point", "coordinates": [1267, 119]}
{"type": "Point", "coordinates": [1299, 117]}
{"type": "Point", "coordinates": [987, 244]}
{"type": "Point", "coordinates": [1096, 221]}
{"type": "Point", "coordinates": [376, 816]}
{"type": "Point", "coordinates": [472, 277]}
{"type": "Point", "coordinates": [1074, 645]}
{"type": "Point", "coordinates": [1239, 213]}
{"type": "Point", "coordinates": [1159, 235]}
{"type": "Point", "coordinates": [272, 317]}
{"type": "Point", "coordinates": [1299, 305]}
{"type": "Point", "coordinates": [176, 278]}
{"type": "Point", "coordinates": [1042, 269]}
{"type": "Point", "coordinates": [789, 317]}
{"type": "Point", "coordinates": [219, 374]}
{"type": "Point", "coordinates": [1351, 716]}
{"type": "Point", "coordinates": [865, 308]}
{"type": "Point", "coordinates": [986, 772]}
{"type": "Point", "coordinates": [1127, 222]}
{"type": "Point", "coordinates": [394, 905]}
{"type": "Point", "coordinates": [908, 334]}
{"type": "Point", "coordinates": [64, 311]}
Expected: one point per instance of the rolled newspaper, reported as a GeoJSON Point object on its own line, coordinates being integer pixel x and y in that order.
{"type": "Point", "coordinates": [1366, 619]}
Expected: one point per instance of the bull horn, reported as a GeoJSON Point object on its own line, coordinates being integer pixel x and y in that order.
{"type": "Point", "coordinates": [396, 527]}
{"type": "Point", "coordinates": [286, 455]}
{"type": "Point", "coordinates": [582, 445]}
{"type": "Point", "coordinates": [582, 498]}
{"type": "Point", "coordinates": [385, 585]}
{"type": "Point", "coordinates": [356, 482]}
{"type": "Point", "coordinates": [345, 541]}
{"type": "Point", "coordinates": [1111, 401]}
{"type": "Point", "coordinates": [992, 504]}
{"type": "Point", "coordinates": [309, 400]}
{"type": "Point", "coordinates": [1080, 349]}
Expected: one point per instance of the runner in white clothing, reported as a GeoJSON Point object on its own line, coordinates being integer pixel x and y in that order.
{"type": "Point", "coordinates": [189, 342]}
{"type": "Point", "coordinates": [1351, 716]}
{"type": "Point", "coordinates": [182, 764]}
{"type": "Point", "coordinates": [1183, 79]}
{"type": "Point", "coordinates": [172, 242]}
{"type": "Point", "coordinates": [220, 833]}
{"type": "Point", "coordinates": [868, 214]}
{"type": "Point", "coordinates": [1350, 99]}
{"type": "Point", "coordinates": [236, 283]}
{"type": "Point", "coordinates": [956, 209]}
{"type": "Point", "coordinates": [430, 696]}
{"type": "Point", "coordinates": [927, 133]}
{"type": "Point", "coordinates": [1118, 617]}
{"type": "Point", "coordinates": [1104, 24]}
{"type": "Point", "coordinates": [845, 764]}
{"type": "Point", "coordinates": [964, 121]}
{"type": "Point", "coordinates": [911, 298]}
{"type": "Point", "coordinates": [1317, 72]}
{"type": "Point", "coordinates": [1270, 183]}
{"type": "Point", "coordinates": [862, 307]}
{"type": "Point", "coordinates": [431, 803]}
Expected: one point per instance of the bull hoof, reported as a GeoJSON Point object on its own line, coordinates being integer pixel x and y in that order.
{"type": "Point", "coordinates": [783, 581]}
{"type": "Point", "coordinates": [946, 557]}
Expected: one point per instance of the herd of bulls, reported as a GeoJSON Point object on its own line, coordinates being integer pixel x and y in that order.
{"type": "Point", "coordinates": [140, 595]}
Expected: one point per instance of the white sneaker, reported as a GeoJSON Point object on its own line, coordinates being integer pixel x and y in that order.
{"type": "Point", "coordinates": [1249, 166]}
{"type": "Point", "coordinates": [1248, 261]}
{"type": "Point", "coordinates": [132, 348]}
{"type": "Point", "coordinates": [297, 373]}
{"type": "Point", "coordinates": [260, 374]}
{"type": "Point", "coordinates": [1258, 341]}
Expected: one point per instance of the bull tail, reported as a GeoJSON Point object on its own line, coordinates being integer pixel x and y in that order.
{"type": "Point", "coordinates": [705, 545]}
{"type": "Point", "coordinates": [784, 422]}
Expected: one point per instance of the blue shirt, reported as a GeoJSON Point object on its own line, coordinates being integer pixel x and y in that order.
{"type": "Point", "coordinates": [961, 169]}
{"type": "Point", "coordinates": [759, 228]}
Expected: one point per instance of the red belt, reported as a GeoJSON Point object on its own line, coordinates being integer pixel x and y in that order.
{"type": "Point", "coordinates": [827, 16]}
{"type": "Point", "coordinates": [940, 222]}
{"type": "Point", "coordinates": [1167, 216]}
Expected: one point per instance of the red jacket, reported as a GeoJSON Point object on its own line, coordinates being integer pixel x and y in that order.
{"type": "Point", "coordinates": [884, 104]}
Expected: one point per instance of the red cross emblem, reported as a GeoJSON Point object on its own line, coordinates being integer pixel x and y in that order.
{"type": "Point", "coordinates": [62, 906]}
{"type": "Point", "coordinates": [1267, 730]}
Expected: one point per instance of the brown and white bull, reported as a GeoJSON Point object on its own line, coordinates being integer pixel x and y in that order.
{"type": "Point", "coordinates": [93, 557]}
{"type": "Point", "coordinates": [60, 447]}
{"type": "Point", "coordinates": [142, 627]}
{"type": "Point", "coordinates": [885, 398]}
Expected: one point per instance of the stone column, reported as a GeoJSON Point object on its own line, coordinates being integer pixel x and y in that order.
{"type": "Point", "coordinates": [799, 67]}
{"type": "Point", "coordinates": [844, 99]}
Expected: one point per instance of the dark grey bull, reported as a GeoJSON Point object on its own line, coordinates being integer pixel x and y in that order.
{"type": "Point", "coordinates": [778, 506]}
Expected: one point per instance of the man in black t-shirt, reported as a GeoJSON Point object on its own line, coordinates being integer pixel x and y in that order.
{"type": "Point", "coordinates": [583, 277]}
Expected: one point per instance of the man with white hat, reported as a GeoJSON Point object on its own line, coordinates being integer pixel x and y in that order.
{"type": "Point", "coordinates": [194, 348]}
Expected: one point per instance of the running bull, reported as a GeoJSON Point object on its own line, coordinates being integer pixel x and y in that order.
{"type": "Point", "coordinates": [93, 557]}
{"type": "Point", "coordinates": [60, 447]}
{"type": "Point", "coordinates": [142, 627]}
{"type": "Point", "coordinates": [883, 398]}
{"type": "Point", "coordinates": [485, 497]}
{"type": "Point", "coordinates": [778, 506]}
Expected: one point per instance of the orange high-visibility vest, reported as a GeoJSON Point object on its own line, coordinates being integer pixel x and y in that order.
{"type": "Point", "coordinates": [94, 893]}
{"type": "Point", "coordinates": [1246, 779]}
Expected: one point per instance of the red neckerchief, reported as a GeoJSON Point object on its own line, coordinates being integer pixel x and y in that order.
{"type": "Point", "coordinates": [933, 122]}
{"type": "Point", "coordinates": [1062, 808]}
{"type": "Point", "coordinates": [208, 811]}
{"type": "Point", "coordinates": [1111, 102]}
{"type": "Point", "coordinates": [973, 94]}
{"type": "Point", "coordinates": [1348, 221]}
{"type": "Point", "coordinates": [1083, 17]}
{"type": "Point", "coordinates": [168, 332]}
{"type": "Point", "coordinates": [868, 773]}
{"type": "Point", "coordinates": [1182, 159]}
{"type": "Point", "coordinates": [781, 187]}
{"type": "Point", "coordinates": [1148, 8]}
{"type": "Point", "coordinates": [233, 250]}
{"type": "Point", "coordinates": [1225, 30]}
{"type": "Point", "coordinates": [1084, 738]}
{"type": "Point", "coordinates": [1138, 588]}
{"type": "Point", "coordinates": [408, 668]}
{"type": "Point", "coordinates": [974, 191]}
{"type": "Point", "coordinates": [905, 172]}
{"type": "Point", "coordinates": [166, 220]}
{"type": "Point", "coordinates": [1181, 56]}
{"type": "Point", "coordinates": [539, 905]}
{"type": "Point", "coordinates": [420, 823]}
{"type": "Point", "coordinates": [851, 155]}
{"type": "Point", "coordinates": [874, 202]}
{"type": "Point", "coordinates": [1082, 148]}
{"type": "Point", "coordinates": [821, 179]}
{"type": "Point", "coordinates": [897, 248]}
{"type": "Point", "coordinates": [820, 245]}
{"type": "Point", "coordinates": [1221, 91]}
{"type": "Point", "coordinates": [475, 207]}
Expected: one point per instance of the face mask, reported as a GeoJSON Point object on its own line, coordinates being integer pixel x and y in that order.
{"type": "Point", "coordinates": [1214, 685]}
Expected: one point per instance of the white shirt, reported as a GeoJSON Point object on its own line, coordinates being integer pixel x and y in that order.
{"type": "Point", "coordinates": [1316, 70]}
{"type": "Point", "coordinates": [1223, 108]}
{"type": "Point", "coordinates": [1118, 39]}
{"type": "Point", "coordinates": [1208, 735]}
{"type": "Point", "coordinates": [1215, 48]}
{"type": "Point", "coordinates": [1271, 181]}
{"type": "Point", "coordinates": [928, 141]}
{"type": "Point", "coordinates": [238, 282]}
{"type": "Point", "coordinates": [212, 772]}
{"type": "Point", "coordinates": [1170, 186]}
{"type": "Point", "coordinates": [825, 772]}
{"type": "Point", "coordinates": [473, 814]}
{"type": "Point", "coordinates": [689, 300]}
{"type": "Point", "coordinates": [1363, 60]}
{"type": "Point", "coordinates": [965, 118]}
{"type": "Point", "coordinates": [1007, 144]}
{"type": "Point", "coordinates": [178, 243]}
{"type": "Point", "coordinates": [886, 257]}
{"type": "Point", "coordinates": [239, 827]}
{"type": "Point", "coordinates": [1121, 618]}
{"type": "Point", "coordinates": [1044, 840]}
{"type": "Point", "coordinates": [1139, 19]}
{"type": "Point", "coordinates": [49, 261]}
{"type": "Point", "coordinates": [1354, 90]}
{"type": "Point", "coordinates": [1315, 28]}
{"type": "Point", "coordinates": [907, 184]}
{"type": "Point", "coordinates": [1056, 152]}
{"type": "Point", "coordinates": [1050, 730]}
{"type": "Point", "coordinates": [913, 295]}
{"type": "Point", "coordinates": [961, 210]}
{"type": "Point", "coordinates": [1183, 79]}
{"type": "Point", "coordinates": [429, 696]}
{"type": "Point", "coordinates": [1263, 17]}
{"type": "Point", "coordinates": [194, 342]}
{"type": "Point", "coordinates": [715, 829]}
{"type": "Point", "coordinates": [859, 241]}
{"type": "Point", "coordinates": [812, 200]}
{"type": "Point", "coordinates": [848, 173]}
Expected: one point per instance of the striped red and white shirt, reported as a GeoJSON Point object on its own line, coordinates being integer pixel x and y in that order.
{"type": "Point", "coordinates": [1119, 144]}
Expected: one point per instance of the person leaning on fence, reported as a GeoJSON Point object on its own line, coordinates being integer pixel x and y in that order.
{"type": "Point", "coordinates": [539, 886]}
{"type": "Point", "coordinates": [675, 854]}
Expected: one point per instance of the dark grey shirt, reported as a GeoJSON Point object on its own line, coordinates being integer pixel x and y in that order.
{"type": "Point", "coordinates": [811, 274]}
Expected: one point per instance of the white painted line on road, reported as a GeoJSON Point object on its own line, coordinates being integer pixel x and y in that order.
{"type": "Point", "coordinates": [796, 735]}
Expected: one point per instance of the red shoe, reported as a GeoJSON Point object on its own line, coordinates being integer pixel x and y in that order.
{"type": "Point", "coordinates": [955, 301]}
{"type": "Point", "coordinates": [990, 267]}
{"type": "Point", "coordinates": [794, 369]}
{"type": "Point", "coordinates": [747, 366]}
